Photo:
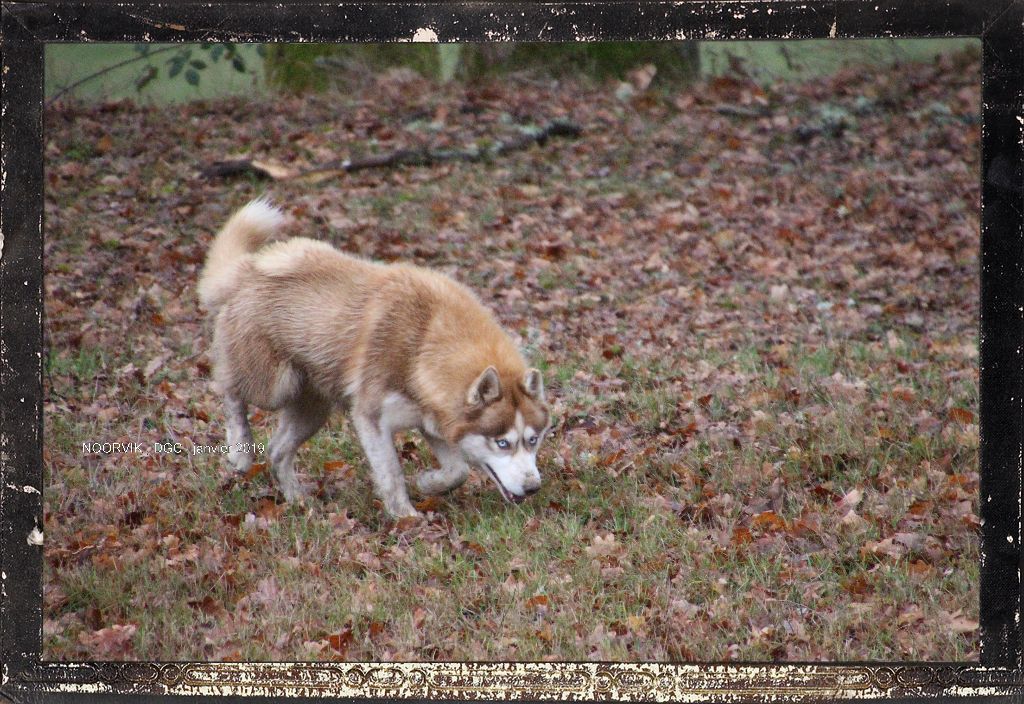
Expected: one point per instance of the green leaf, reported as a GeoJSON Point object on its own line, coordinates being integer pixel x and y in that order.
{"type": "Point", "coordinates": [192, 77]}
{"type": "Point", "coordinates": [150, 73]}
{"type": "Point", "coordinates": [197, 64]}
{"type": "Point", "coordinates": [177, 63]}
{"type": "Point", "coordinates": [238, 64]}
{"type": "Point", "coordinates": [216, 52]}
{"type": "Point", "coordinates": [261, 50]}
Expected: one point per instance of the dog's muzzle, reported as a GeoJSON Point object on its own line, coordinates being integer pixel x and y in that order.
{"type": "Point", "coordinates": [509, 496]}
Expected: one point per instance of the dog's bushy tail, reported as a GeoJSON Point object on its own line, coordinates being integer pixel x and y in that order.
{"type": "Point", "coordinates": [246, 231]}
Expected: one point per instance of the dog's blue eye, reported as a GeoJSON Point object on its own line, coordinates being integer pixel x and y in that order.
{"type": "Point", "coordinates": [502, 444]}
{"type": "Point", "coordinates": [533, 441]}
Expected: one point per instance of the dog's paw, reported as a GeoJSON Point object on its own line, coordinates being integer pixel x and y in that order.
{"type": "Point", "coordinates": [438, 481]}
{"type": "Point", "coordinates": [430, 484]}
{"type": "Point", "coordinates": [400, 510]}
{"type": "Point", "coordinates": [293, 491]}
{"type": "Point", "coordinates": [241, 461]}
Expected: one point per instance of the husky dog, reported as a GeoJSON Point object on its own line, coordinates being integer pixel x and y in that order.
{"type": "Point", "coordinates": [301, 327]}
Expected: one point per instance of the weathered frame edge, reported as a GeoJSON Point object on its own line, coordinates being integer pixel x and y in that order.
{"type": "Point", "coordinates": [1001, 334]}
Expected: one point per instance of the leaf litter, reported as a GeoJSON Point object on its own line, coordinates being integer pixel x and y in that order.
{"type": "Point", "coordinates": [756, 309]}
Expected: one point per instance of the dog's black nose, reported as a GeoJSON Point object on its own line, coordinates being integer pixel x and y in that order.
{"type": "Point", "coordinates": [532, 490]}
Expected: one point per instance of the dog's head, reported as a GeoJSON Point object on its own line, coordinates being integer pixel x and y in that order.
{"type": "Point", "coordinates": [504, 422]}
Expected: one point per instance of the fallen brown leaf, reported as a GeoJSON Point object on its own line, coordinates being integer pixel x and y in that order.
{"type": "Point", "coordinates": [113, 642]}
{"type": "Point", "coordinates": [340, 642]}
{"type": "Point", "coordinates": [961, 415]}
{"type": "Point", "coordinates": [430, 503]}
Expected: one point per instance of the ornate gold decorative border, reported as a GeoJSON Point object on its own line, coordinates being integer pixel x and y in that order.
{"type": "Point", "coordinates": [525, 681]}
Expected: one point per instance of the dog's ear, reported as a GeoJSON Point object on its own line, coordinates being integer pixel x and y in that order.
{"type": "Point", "coordinates": [533, 382]}
{"type": "Point", "coordinates": [486, 389]}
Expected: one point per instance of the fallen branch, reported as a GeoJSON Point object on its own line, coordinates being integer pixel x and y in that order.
{"type": "Point", "coordinates": [400, 157]}
{"type": "Point", "coordinates": [742, 111]}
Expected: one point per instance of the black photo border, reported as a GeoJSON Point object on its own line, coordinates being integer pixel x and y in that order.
{"type": "Point", "coordinates": [27, 27]}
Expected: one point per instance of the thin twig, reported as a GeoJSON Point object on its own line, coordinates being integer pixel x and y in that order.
{"type": "Point", "coordinates": [67, 89]}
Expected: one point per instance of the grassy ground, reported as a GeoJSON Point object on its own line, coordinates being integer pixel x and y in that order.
{"type": "Point", "coordinates": [759, 332]}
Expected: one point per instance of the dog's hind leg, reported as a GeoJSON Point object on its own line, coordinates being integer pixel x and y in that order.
{"type": "Point", "coordinates": [386, 470]}
{"type": "Point", "coordinates": [453, 471]}
{"type": "Point", "coordinates": [298, 422]}
{"type": "Point", "coordinates": [240, 450]}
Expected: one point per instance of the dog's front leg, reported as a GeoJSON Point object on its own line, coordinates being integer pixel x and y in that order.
{"type": "Point", "coordinates": [453, 472]}
{"type": "Point", "coordinates": [386, 470]}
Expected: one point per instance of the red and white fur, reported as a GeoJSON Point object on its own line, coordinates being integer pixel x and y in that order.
{"type": "Point", "coordinates": [301, 327]}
